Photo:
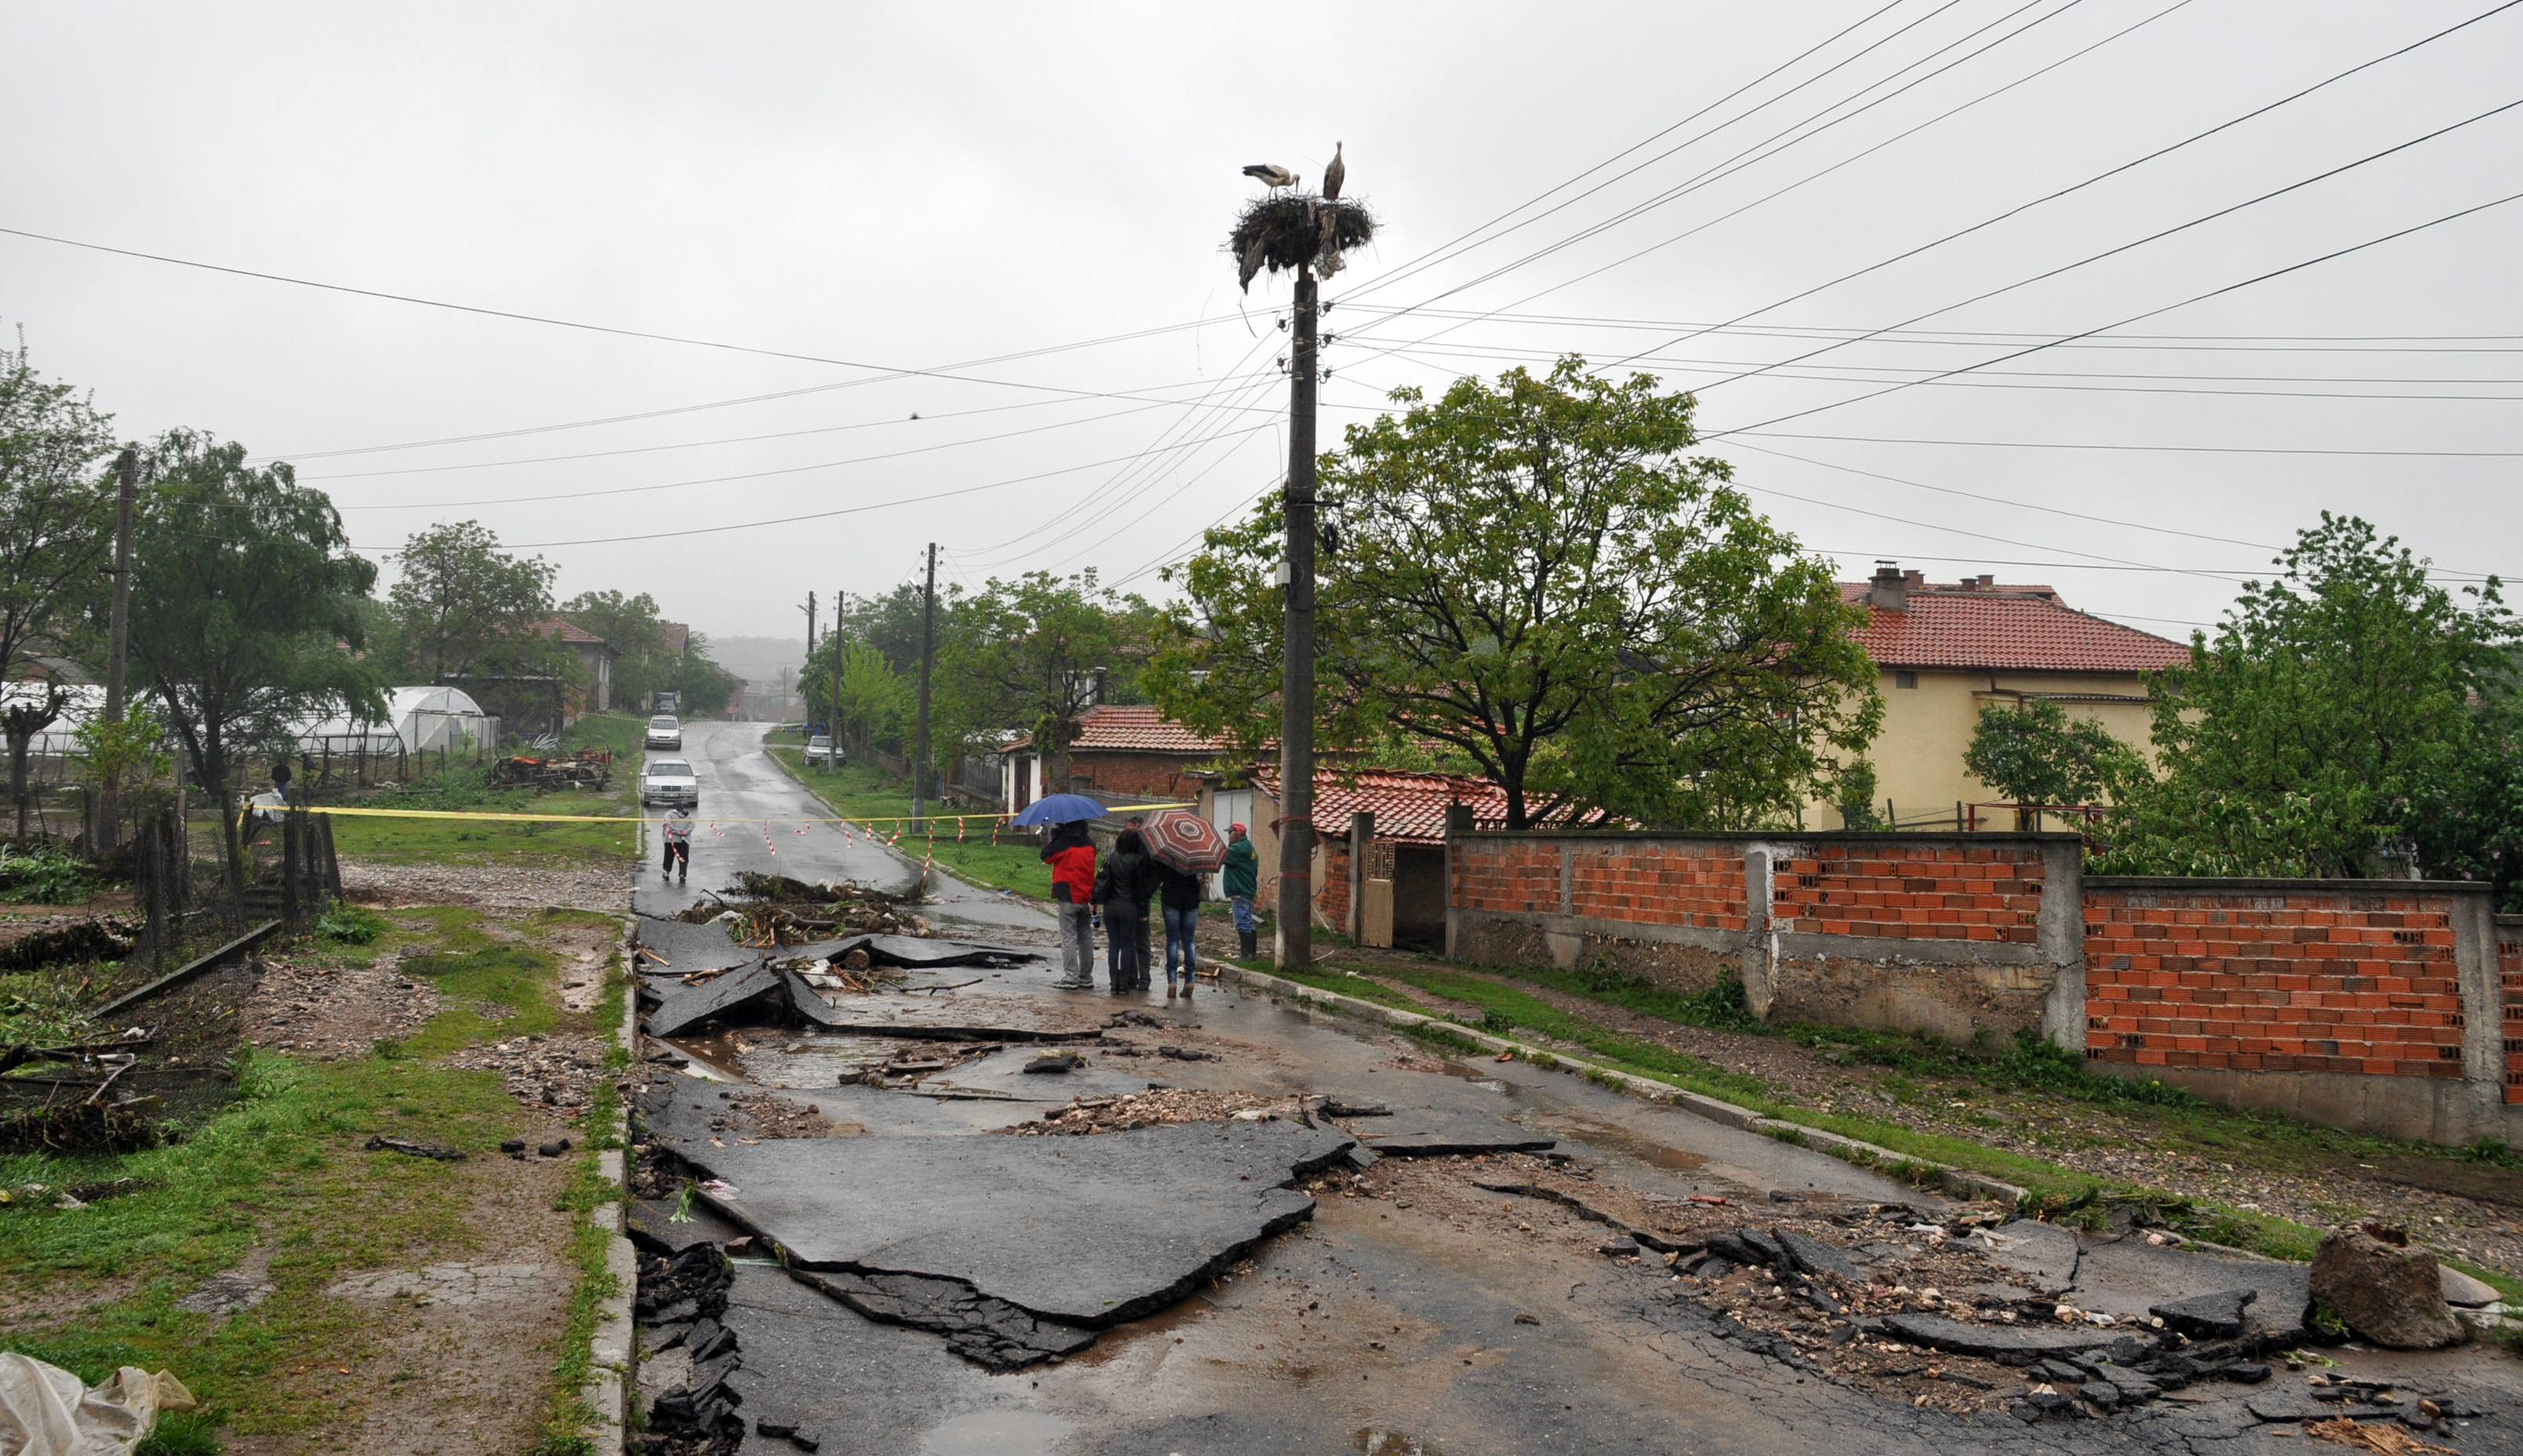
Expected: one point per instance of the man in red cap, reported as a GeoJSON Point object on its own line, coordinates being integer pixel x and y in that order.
{"type": "Point", "coordinates": [1240, 878]}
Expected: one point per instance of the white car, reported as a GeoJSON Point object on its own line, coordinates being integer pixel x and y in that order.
{"type": "Point", "coordinates": [670, 781]}
{"type": "Point", "coordinates": [821, 752]}
{"type": "Point", "coordinates": [665, 732]}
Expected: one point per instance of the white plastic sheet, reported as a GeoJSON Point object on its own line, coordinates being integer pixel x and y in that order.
{"type": "Point", "coordinates": [45, 1411]}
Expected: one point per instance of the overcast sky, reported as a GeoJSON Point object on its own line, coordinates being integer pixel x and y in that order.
{"type": "Point", "coordinates": [938, 188]}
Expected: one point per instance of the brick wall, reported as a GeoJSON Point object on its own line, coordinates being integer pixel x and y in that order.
{"type": "Point", "coordinates": [1515, 876]}
{"type": "Point", "coordinates": [2308, 981]}
{"type": "Point", "coordinates": [1699, 885]}
{"type": "Point", "coordinates": [1156, 776]}
{"type": "Point", "coordinates": [1930, 891]}
{"type": "Point", "coordinates": [1331, 884]}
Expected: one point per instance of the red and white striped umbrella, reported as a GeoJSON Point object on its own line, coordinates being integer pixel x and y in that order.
{"type": "Point", "coordinates": [1184, 840]}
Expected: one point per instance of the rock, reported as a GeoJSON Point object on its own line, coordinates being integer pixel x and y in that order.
{"type": "Point", "coordinates": [2212, 1316]}
{"type": "Point", "coordinates": [1745, 1247]}
{"type": "Point", "coordinates": [1812, 1255]}
{"type": "Point", "coordinates": [1782, 1196]}
{"type": "Point", "coordinates": [2101, 1393]}
{"type": "Point", "coordinates": [769, 1427]}
{"type": "Point", "coordinates": [513, 1145]}
{"type": "Point", "coordinates": [805, 1440]}
{"type": "Point", "coordinates": [2389, 1292]}
{"type": "Point", "coordinates": [554, 1150]}
{"type": "Point", "coordinates": [1342, 1108]}
{"type": "Point", "coordinates": [2462, 1290]}
{"type": "Point", "coordinates": [1056, 1063]}
{"type": "Point", "coordinates": [1619, 1245]}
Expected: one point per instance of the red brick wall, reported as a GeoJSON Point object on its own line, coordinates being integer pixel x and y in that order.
{"type": "Point", "coordinates": [2509, 981]}
{"type": "Point", "coordinates": [1159, 777]}
{"type": "Point", "coordinates": [1930, 891]}
{"type": "Point", "coordinates": [1659, 884]}
{"type": "Point", "coordinates": [2299, 980]}
{"type": "Point", "coordinates": [1331, 895]}
{"type": "Point", "coordinates": [1517, 876]}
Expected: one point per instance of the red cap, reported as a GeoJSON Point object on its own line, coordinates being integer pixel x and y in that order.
{"type": "Point", "coordinates": [1235, 828]}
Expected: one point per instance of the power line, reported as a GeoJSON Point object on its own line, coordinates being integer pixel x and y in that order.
{"type": "Point", "coordinates": [2078, 444]}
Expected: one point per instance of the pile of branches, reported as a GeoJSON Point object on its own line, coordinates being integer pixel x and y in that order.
{"type": "Point", "coordinates": [773, 909]}
{"type": "Point", "coordinates": [1286, 230]}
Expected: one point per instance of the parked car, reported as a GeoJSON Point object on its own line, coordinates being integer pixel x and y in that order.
{"type": "Point", "coordinates": [824, 753]}
{"type": "Point", "coordinates": [670, 781]}
{"type": "Point", "coordinates": [665, 732]}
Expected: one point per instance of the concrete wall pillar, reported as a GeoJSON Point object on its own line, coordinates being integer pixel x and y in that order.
{"type": "Point", "coordinates": [1362, 834]}
{"type": "Point", "coordinates": [2063, 943]}
{"type": "Point", "coordinates": [2483, 1012]}
{"type": "Point", "coordinates": [1760, 935]}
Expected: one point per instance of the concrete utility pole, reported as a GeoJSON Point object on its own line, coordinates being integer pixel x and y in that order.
{"type": "Point", "coordinates": [118, 640]}
{"type": "Point", "coordinates": [833, 726]}
{"type": "Point", "coordinates": [1296, 825]}
{"type": "Point", "coordinates": [809, 610]}
{"type": "Point", "coordinates": [927, 660]}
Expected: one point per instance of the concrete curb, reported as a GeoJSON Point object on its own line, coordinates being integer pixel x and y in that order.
{"type": "Point", "coordinates": [613, 1348]}
{"type": "Point", "coordinates": [1960, 1183]}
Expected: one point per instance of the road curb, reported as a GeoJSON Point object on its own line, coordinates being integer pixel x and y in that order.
{"type": "Point", "coordinates": [612, 1348]}
{"type": "Point", "coordinates": [1960, 1183]}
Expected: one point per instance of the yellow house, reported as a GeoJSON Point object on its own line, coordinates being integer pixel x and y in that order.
{"type": "Point", "coordinates": [1943, 650]}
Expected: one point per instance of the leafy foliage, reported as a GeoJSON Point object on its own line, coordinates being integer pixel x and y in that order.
{"type": "Point", "coordinates": [45, 877]}
{"type": "Point", "coordinates": [2344, 706]}
{"type": "Point", "coordinates": [464, 611]}
{"type": "Point", "coordinates": [1034, 654]}
{"type": "Point", "coordinates": [351, 925]}
{"type": "Point", "coordinates": [874, 700]}
{"type": "Point", "coordinates": [1535, 575]}
{"type": "Point", "coordinates": [633, 627]}
{"type": "Point", "coordinates": [2034, 753]}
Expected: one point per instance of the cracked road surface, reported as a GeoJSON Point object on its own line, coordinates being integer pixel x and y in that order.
{"type": "Point", "coordinates": [1464, 1325]}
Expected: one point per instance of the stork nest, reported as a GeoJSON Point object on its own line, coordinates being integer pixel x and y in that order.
{"type": "Point", "coordinates": [1286, 230]}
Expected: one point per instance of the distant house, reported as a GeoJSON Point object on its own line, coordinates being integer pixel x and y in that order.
{"type": "Point", "coordinates": [595, 656]}
{"type": "Point", "coordinates": [1943, 650]}
{"type": "Point", "coordinates": [1122, 752]}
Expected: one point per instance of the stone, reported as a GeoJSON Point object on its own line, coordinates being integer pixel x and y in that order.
{"type": "Point", "coordinates": [2387, 1291]}
{"type": "Point", "coordinates": [1619, 1245]}
{"type": "Point", "coordinates": [2046, 1255]}
{"type": "Point", "coordinates": [1739, 1247]}
{"type": "Point", "coordinates": [1335, 1107]}
{"type": "Point", "coordinates": [1812, 1255]}
{"type": "Point", "coordinates": [1056, 1063]}
{"type": "Point", "coordinates": [2101, 1393]}
{"type": "Point", "coordinates": [2462, 1289]}
{"type": "Point", "coordinates": [2218, 1315]}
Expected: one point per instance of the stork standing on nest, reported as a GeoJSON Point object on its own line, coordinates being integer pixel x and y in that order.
{"type": "Point", "coordinates": [1334, 175]}
{"type": "Point", "coordinates": [1271, 174]}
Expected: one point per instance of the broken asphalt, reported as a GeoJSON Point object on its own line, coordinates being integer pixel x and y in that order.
{"type": "Point", "coordinates": [911, 1278]}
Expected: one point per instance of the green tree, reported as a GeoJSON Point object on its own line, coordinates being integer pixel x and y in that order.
{"type": "Point", "coordinates": [464, 610]}
{"type": "Point", "coordinates": [2334, 711]}
{"type": "Point", "coordinates": [875, 699]}
{"type": "Point", "coordinates": [244, 617]}
{"type": "Point", "coordinates": [700, 685]}
{"type": "Point", "coordinates": [1033, 655]}
{"type": "Point", "coordinates": [56, 537]}
{"type": "Point", "coordinates": [632, 626]}
{"type": "Point", "coordinates": [889, 623]}
{"type": "Point", "coordinates": [1537, 576]}
{"type": "Point", "coordinates": [2034, 753]}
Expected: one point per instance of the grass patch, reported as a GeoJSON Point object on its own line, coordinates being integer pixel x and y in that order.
{"type": "Point", "coordinates": [439, 841]}
{"type": "Point", "coordinates": [868, 796]}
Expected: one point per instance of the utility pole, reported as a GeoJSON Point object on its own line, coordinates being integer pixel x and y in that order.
{"type": "Point", "coordinates": [834, 638]}
{"type": "Point", "coordinates": [118, 640]}
{"type": "Point", "coordinates": [927, 661]}
{"type": "Point", "coordinates": [810, 659]}
{"type": "Point", "coordinates": [1296, 825]}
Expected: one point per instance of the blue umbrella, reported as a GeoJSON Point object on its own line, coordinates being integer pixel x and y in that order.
{"type": "Point", "coordinates": [1060, 809]}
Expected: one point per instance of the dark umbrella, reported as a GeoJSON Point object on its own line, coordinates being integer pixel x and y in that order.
{"type": "Point", "coordinates": [1060, 809]}
{"type": "Point", "coordinates": [1184, 840]}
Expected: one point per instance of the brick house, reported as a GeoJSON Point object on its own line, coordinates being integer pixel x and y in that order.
{"type": "Point", "coordinates": [1943, 650]}
{"type": "Point", "coordinates": [1122, 751]}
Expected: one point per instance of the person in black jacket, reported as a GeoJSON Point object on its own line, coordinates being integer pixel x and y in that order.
{"type": "Point", "coordinates": [1124, 887]}
{"type": "Point", "coordinates": [1180, 894]}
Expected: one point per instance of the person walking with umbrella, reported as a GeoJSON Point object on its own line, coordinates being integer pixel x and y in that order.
{"type": "Point", "coordinates": [1071, 853]}
{"type": "Point", "coordinates": [1185, 847]}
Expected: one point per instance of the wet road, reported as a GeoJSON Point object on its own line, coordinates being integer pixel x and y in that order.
{"type": "Point", "coordinates": [741, 788]}
{"type": "Point", "coordinates": [1379, 1326]}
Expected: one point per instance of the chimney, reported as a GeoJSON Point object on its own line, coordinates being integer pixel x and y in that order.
{"type": "Point", "coordinates": [1889, 590]}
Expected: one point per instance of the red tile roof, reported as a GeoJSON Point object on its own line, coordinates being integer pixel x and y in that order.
{"type": "Point", "coordinates": [567, 631]}
{"type": "Point", "coordinates": [1407, 807]}
{"type": "Point", "coordinates": [2006, 628]}
{"type": "Point", "coordinates": [1136, 729]}
{"type": "Point", "coordinates": [679, 638]}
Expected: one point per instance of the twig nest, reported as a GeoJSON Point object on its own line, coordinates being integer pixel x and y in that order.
{"type": "Point", "coordinates": [1284, 231]}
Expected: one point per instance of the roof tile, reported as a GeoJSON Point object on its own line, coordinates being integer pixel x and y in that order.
{"type": "Point", "coordinates": [2007, 629]}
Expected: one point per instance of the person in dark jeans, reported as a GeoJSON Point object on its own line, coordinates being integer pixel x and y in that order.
{"type": "Point", "coordinates": [1124, 887]}
{"type": "Point", "coordinates": [1179, 893]}
{"type": "Point", "coordinates": [1072, 858]}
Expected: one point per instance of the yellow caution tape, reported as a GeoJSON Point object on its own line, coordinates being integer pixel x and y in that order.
{"type": "Point", "coordinates": [617, 818]}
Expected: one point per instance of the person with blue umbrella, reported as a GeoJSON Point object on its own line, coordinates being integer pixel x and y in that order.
{"type": "Point", "coordinates": [1071, 853]}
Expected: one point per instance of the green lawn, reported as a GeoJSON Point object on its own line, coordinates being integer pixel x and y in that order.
{"type": "Point", "coordinates": [281, 1165]}
{"type": "Point", "coordinates": [456, 841]}
{"type": "Point", "coordinates": [870, 797]}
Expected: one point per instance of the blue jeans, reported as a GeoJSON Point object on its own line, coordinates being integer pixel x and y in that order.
{"type": "Point", "coordinates": [1180, 926]}
{"type": "Point", "coordinates": [1242, 905]}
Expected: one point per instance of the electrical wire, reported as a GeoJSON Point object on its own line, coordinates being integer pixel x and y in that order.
{"type": "Point", "coordinates": [2080, 445]}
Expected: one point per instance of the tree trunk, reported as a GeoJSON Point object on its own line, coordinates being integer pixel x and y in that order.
{"type": "Point", "coordinates": [19, 739]}
{"type": "Point", "coordinates": [234, 849]}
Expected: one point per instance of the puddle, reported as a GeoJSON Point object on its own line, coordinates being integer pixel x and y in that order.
{"type": "Point", "coordinates": [1623, 1140]}
{"type": "Point", "coordinates": [1376, 1441]}
{"type": "Point", "coordinates": [998, 1434]}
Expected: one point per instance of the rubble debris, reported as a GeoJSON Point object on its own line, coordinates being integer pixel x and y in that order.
{"type": "Point", "coordinates": [63, 940]}
{"type": "Point", "coordinates": [680, 1010]}
{"type": "Point", "coordinates": [2384, 1287]}
{"type": "Point", "coordinates": [553, 1148]}
{"type": "Point", "coordinates": [1188, 1054]}
{"type": "Point", "coordinates": [2217, 1315]}
{"type": "Point", "coordinates": [1424, 1132]}
{"type": "Point", "coordinates": [587, 768]}
{"type": "Point", "coordinates": [2341, 1430]}
{"type": "Point", "coordinates": [82, 1127]}
{"type": "Point", "coordinates": [697, 1418]}
{"type": "Point", "coordinates": [2463, 1291]}
{"type": "Point", "coordinates": [1056, 1062]}
{"type": "Point", "coordinates": [1334, 1106]}
{"type": "Point", "coordinates": [1086, 1117]}
{"type": "Point", "coordinates": [557, 1073]}
{"type": "Point", "coordinates": [411, 1148]}
{"type": "Point", "coordinates": [991, 1333]}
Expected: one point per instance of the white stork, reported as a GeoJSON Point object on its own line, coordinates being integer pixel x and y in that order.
{"type": "Point", "coordinates": [1334, 175]}
{"type": "Point", "coordinates": [1271, 174]}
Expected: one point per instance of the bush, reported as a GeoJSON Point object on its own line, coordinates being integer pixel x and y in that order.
{"type": "Point", "coordinates": [46, 877]}
{"type": "Point", "coordinates": [351, 925]}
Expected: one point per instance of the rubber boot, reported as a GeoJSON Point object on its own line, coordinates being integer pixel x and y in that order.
{"type": "Point", "coordinates": [1247, 936]}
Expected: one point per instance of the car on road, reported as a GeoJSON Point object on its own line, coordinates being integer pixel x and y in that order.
{"type": "Point", "coordinates": [670, 781]}
{"type": "Point", "coordinates": [821, 752]}
{"type": "Point", "coordinates": [665, 732]}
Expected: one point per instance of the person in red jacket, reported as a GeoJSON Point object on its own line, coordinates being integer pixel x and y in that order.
{"type": "Point", "coordinates": [1072, 858]}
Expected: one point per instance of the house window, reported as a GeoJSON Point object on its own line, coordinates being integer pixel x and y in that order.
{"type": "Point", "coordinates": [1905, 679]}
